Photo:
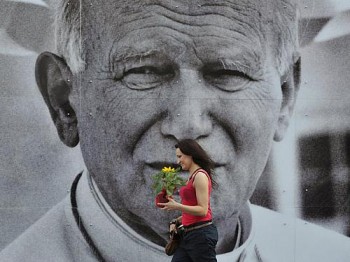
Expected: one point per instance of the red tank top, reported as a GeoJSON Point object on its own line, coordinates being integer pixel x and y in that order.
{"type": "Point", "coordinates": [188, 197]}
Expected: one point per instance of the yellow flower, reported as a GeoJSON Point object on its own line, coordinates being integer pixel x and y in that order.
{"type": "Point", "coordinates": [167, 179]}
{"type": "Point", "coordinates": [168, 169]}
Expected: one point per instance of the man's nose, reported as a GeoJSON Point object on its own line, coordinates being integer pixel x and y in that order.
{"type": "Point", "coordinates": [188, 115]}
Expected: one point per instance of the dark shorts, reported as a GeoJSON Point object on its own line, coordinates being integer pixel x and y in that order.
{"type": "Point", "coordinates": [198, 245]}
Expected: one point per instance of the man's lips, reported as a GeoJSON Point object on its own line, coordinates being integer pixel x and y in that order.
{"type": "Point", "coordinates": [161, 164]}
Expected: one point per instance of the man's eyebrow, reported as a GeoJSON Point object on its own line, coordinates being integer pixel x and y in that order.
{"type": "Point", "coordinates": [120, 57]}
{"type": "Point", "coordinates": [247, 65]}
{"type": "Point", "coordinates": [134, 55]}
{"type": "Point", "coordinates": [236, 63]}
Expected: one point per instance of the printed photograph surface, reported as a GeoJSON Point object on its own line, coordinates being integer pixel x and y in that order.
{"type": "Point", "coordinates": [95, 94]}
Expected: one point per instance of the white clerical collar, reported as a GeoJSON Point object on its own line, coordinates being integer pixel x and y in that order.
{"type": "Point", "coordinates": [247, 249]}
{"type": "Point", "coordinates": [117, 241]}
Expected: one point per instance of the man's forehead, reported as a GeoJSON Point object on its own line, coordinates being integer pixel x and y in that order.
{"type": "Point", "coordinates": [118, 9]}
{"type": "Point", "coordinates": [119, 17]}
{"type": "Point", "coordinates": [135, 4]}
{"type": "Point", "coordinates": [194, 23]}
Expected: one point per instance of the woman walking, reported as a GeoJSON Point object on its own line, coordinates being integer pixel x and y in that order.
{"type": "Point", "coordinates": [200, 234]}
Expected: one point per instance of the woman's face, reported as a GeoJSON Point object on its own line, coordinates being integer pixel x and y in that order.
{"type": "Point", "coordinates": [183, 160]}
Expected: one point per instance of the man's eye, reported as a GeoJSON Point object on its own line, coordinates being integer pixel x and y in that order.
{"type": "Point", "coordinates": [143, 70]}
{"type": "Point", "coordinates": [225, 73]}
{"type": "Point", "coordinates": [146, 77]}
{"type": "Point", "coordinates": [227, 80]}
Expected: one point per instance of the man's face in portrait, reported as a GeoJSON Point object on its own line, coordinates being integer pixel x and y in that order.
{"type": "Point", "coordinates": [160, 71]}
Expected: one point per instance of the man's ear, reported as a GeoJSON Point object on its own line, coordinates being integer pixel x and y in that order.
{"type": "Point", "coordinates": [54, 80]}
{"type": "Point", "coordinates": [290, 83]}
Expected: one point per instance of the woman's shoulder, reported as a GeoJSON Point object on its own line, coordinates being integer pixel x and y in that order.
{"type": "Point", "coordinates": [201, 175]}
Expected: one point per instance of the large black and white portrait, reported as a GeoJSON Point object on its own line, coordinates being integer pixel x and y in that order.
{"type": "Point", "coordinates": [96, 93]}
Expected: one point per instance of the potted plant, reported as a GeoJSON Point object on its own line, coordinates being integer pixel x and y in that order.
{"type": "Point", "coordinates": [165, 183]}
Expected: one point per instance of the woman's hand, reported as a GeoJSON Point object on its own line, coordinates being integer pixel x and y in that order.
{"type": "Point", "coordinates": [171, 205]}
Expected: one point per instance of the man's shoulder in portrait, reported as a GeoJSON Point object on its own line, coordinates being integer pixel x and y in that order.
{"type": "Point", "coordinates": [45, 240]}
{"type": "Point", "coordinates": [284, 238]}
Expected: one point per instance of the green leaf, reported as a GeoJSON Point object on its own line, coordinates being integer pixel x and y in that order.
{"type": "Point", "coordinates": [168, 181]}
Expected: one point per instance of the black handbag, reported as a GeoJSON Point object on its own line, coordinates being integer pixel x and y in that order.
{"type": "Point", "coordinates": [174, 242]}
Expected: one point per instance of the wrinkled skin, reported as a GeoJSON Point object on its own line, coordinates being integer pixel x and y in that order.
{"type": "Point", "coordinates": [158, 73]}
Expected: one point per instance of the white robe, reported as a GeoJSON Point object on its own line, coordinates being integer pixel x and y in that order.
{"type": "Point", "coordinates": [57, 238]}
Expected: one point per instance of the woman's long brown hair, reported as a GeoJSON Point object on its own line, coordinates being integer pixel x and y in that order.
{"type": "Point", "coordinates": [191, 148]}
